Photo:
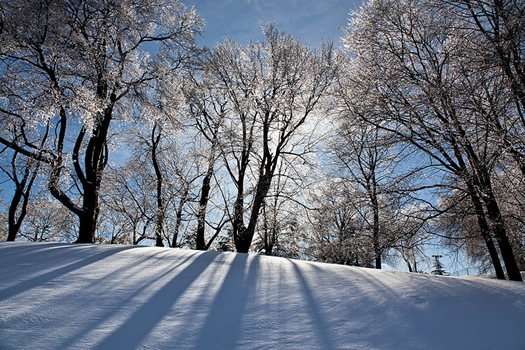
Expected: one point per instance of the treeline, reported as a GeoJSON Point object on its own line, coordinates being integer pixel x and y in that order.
{"type": "Point", "coordinates": [410, 134]}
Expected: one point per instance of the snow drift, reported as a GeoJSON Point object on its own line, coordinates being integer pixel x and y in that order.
{"type": "Point", "coordinates": [55, 296]}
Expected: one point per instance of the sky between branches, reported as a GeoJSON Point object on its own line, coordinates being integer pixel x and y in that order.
{"type": "Point", "coordinates": [311, 21]}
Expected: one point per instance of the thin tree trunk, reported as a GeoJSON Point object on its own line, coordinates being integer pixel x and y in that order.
{"type": "Point", "coordinates": [21, 193]}
{"type": "Point", "coordinates": [200, 243]}
{"type": "Point", "coordinates": [375, 210]}
{"type": "Point", "coordinates": [159, 217]}
{"type": "Point", "coordinates": [178, 221]}
{"type": "Point", "coordinates": [238, 217]}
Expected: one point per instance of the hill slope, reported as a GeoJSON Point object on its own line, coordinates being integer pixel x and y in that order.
{"type": "Point", "coordinates": [55, 296]}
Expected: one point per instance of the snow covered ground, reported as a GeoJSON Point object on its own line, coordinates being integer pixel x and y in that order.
{"type": "Point", "coordinates": [55, 296]}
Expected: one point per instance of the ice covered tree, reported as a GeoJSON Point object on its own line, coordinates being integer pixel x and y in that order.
{"type": "Point", "coordinates": [409, 72]}
{"type": "Point", "coordinates": [496, 29]}
{"type": "Point", "coordinates": [207, 107]}
{"type": "Point", "coordinates": [81, 65]}
{"type": "Point", "coordinates": [338, 233]}
{"type": "Point", "coordinates": [47, 220]}
{"type": "Point", "coordinates": [146, 198]}
{"type": "Point", "coordinates": [458, 223]}
{"type": "Point", "coordinates": [128, 203]}
{"type": "Point", "coordinates": [279, 231]}
{"type": "Point", "coordinates": [22, 172]}
{"type": "Point", "coordinates": [273, 88]}
{"type": "Point", "coordinates": [363, 155]}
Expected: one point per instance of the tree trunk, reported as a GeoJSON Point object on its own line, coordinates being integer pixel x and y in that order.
{"type": "Point", "coordinates": [269, 232]}
{"type": "Point", "coordinates": [268, 245]}
{"type": "Point", "coordinates": [483, 183]}
{"type": "Point", "coordinates": [87, 225]}
{"type": "Point", "coordinates": [493, 253]}
{"type": "Point", "coordinates": [243, 240]}
{"type": "Point", "coordinates": [479, 186]}
{"type": "Point", "coordinates": [501, 236]}
{"type": "Point", "coordinates": [485, 232]}
{"type": "Point", "coordinates": [159, 217]}
{"type": "Point", "coordinates": [376, 240]}
{"type": "Point", "coordinates": [13, 223]}
{"type": "Point", "coordinates": [95, 160]}
{"type": "Point", "coordinates": [244, 237]}
{"type": "Point", "coordinates": [203, 204]}
{"type": "Point", "coordinates": [238, 221]}
{"type": "Point", "coordinates": [409, 265]}
{"type": "Point", "coordinates": [21, 193]}
{"type": "Point", "coordinates": [178, 221]}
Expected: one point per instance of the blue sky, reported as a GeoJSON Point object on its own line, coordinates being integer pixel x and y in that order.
{"type": "Point", "coordinates": [311, 21]}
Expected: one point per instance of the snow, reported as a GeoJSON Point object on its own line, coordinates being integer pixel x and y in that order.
{"type": "Point", "coordinates": [57, 296]}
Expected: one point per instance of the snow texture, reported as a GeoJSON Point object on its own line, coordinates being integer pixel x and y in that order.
{"type": "Point", "coordinates": [55, 296]}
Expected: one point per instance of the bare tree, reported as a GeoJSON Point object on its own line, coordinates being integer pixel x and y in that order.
{"type": "Point", "coordinates": [84, 61]}
{"type": "Point", "coordinates": [23, 183]}
{"type": "Point", "coordinates": [273, 88]}
{"type": "Point", "coordinates": [364, 154]}
{"type": "Point", "coordinates": [47, 220]}
{"type": "Point", "coordinates": [127, 209]}
{"type": "Point", "coordinates": [152, 190]}
{"type": "Point", "coordinates": [22, 173]}
{"type": "Point", "coordinates": [207, 108]}
{"type": "Point", "coordinates": [338, 233]}
{"type": "Point", "coordinates": [405, 59]}
{"type": "Point", "coordinates": [498, 31]}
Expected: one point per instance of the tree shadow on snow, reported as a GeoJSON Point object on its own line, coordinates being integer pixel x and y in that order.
{"type": "Point", "coordinates": [53, 259]}
{"type": "Point", "coordinates": [103, 285]}
{"type": "Point", "coordinates": [139, 325]}
{"type": "Point", "coordinates": [400, 310]}
{"type": "Point", "coordinates": [223, 326]}
{"type": "Point", "coordinates": [320, 324]}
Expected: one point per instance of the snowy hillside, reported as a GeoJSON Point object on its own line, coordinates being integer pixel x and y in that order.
{"type": "Point", "coordinates": [56, 296]}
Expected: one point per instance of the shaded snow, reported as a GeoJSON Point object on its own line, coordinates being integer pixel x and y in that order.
{"type": "Point", "coordinates": [55, 296]}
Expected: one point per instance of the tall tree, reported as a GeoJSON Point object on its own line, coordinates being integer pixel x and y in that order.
{"type": "Point", "coordinates": [364, 156]}
{"type": "Point", "coordinates": [279, 225]}
{"type": "Point", "coordinates": [498, 28]}
{"type": "Point", "coordinates": [273, 87]}
{"type": "Point", "coordinates": [338, 233]}
{"type": "Point", "coordinates": [409, 66]}
{"type": "Point", "coordinates": [127, 199]}
{"type": "Point", "coordinates": [149, 194]}
{"type": "Point", "coordinates": [23, 186]}
{"type": "Point", "coordinates": [81, 65]}
{"type": "Point", "coordinates": [207, 108]}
